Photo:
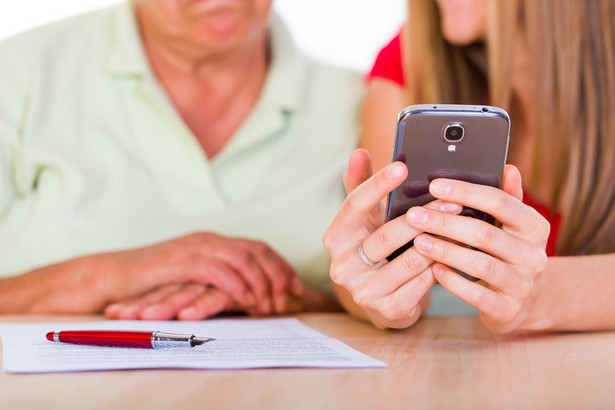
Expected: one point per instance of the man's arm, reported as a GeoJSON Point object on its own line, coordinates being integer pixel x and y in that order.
{"type": "Point", "coordinates": [249, 271]}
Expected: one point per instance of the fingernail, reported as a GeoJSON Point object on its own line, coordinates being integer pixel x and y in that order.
{"type": "Point", "coordinates": [151, 310]}
{"type": "Point", "coordinates": [112, 309]}
{"type": "Point", "coordinates": [440, 188]}
{"type": "Point", "coordinates": [437, 271]}
{"type": "Point", "coordinates": [187, 313]}
{"type": "Point", "coordinates": [450, 208]}
{"type": "Point", "coordinates": [423, 242]}
{"type": "Point", "coordinates": [128, 311]}
{"type": "Point", "coordinates": [395, 171]}
{"type": "Point", "coordinates": [417, 216]}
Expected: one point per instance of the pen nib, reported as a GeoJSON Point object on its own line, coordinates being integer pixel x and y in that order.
{"type": "Point", "coordinates": [197, 341]}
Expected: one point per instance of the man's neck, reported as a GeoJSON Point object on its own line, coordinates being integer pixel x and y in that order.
{"type": "Point", "coordinates": [171, 56]}
{"type": "Point", "coordinates": [212, 90]}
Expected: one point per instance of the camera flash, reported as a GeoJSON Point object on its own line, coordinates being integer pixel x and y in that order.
{"type": "Point", "coordinates": [452, 148]}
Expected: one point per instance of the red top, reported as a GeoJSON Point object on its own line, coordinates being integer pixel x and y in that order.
{"type": "Point", "coordinates": [389, 65]}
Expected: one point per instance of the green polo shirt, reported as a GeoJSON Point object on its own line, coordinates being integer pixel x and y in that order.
{"type": "Point", "coordinates": [95, 158]}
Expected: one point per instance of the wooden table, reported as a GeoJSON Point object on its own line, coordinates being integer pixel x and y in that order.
{"type": "Point", "coordinates": [441, 362]}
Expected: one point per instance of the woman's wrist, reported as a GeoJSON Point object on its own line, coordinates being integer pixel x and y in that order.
{"type": "Point", "coordinates": [543, 312]}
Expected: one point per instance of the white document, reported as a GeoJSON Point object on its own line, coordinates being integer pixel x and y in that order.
{"type": "Point", "coordinates": [238, 344]}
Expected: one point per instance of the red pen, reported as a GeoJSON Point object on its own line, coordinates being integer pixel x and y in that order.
{"type": "Point", "coordinates": [122, 338]}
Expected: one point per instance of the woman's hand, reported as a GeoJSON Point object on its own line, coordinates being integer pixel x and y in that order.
{"type": "Point", "coordinates": [389, 293]}
{"type": "Point", "coordinates": [513, 256]}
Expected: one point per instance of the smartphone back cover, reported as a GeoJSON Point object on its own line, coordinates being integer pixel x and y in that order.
{"type": "Point", "coordinates": [478, 157]}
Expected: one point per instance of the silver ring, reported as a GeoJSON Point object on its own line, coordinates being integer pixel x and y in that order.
{"type": "Point", "coordinates": [363, 256]}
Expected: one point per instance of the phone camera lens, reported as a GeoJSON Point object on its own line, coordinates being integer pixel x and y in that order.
{"type": "Point", "coordinates": [454, 132]}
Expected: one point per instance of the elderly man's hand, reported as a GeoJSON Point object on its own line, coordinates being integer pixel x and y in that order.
{"type": "Point", "coordinates": [195, 301]}
{"type": "Point", "coordinates": [250, 273]}
{"type": "Point", "coordinates": [181, 271]}
{"type": "Point", "coordinates": [191, 301]}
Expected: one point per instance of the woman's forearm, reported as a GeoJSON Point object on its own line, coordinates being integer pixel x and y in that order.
{"type": "Point", "coordinates": [576, 294]}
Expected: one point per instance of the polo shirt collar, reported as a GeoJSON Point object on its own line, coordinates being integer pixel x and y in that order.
{"type": "Point", "coordinates": [287, 68]}
{"type": "Point", "coordinates": [281, 95]}
{"type": "Point", "coordinates": [127, 57]}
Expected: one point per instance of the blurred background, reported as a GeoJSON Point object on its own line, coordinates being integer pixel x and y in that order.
{"type": "Point", "coordinates": [343, 32]}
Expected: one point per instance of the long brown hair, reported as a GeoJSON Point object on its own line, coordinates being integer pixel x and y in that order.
{"type": "Point", "coordinates": [571, 47]}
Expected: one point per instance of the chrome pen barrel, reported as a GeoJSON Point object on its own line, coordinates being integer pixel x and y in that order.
{"type": "Point", "coordinates": [162, 339]}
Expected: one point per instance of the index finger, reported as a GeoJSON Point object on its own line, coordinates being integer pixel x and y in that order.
{"type": "Point", "coordinates": [494, 201]}
{"type": "Point", "coordinates": [279, 273]}
{"type": "Point", "coordinates": [131, 308]}
{"type": "Point", "coordinates": [223, 276]}
{"type": "Point", "coordinates": [366, 196]}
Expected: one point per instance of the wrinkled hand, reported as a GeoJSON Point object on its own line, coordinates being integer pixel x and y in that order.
{"type": "Point", "coordinates": [190, 301]}
{"type": "Point", "coordinates": [389, 293]}
{"type": "Point", "coordinates": [513, 256]}
{"type": "Point", "coordinates": [194, 301]}
{"type": "Point", "coordinates": [184, 272]}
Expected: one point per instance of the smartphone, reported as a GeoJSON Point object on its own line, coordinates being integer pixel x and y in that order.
{"type": "Point", "coordinates": [465, 142]}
